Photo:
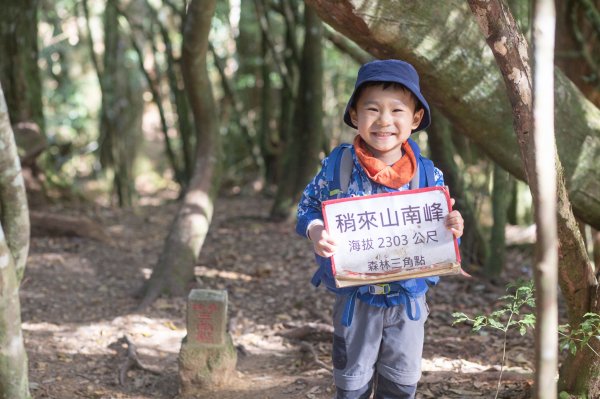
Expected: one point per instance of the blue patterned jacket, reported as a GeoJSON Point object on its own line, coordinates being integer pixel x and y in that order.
{"type": "Point", "coordinates": [309, 209]}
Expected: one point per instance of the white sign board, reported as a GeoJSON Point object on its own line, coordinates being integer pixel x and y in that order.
{"type": "Point", "coordinates": [391, 236]}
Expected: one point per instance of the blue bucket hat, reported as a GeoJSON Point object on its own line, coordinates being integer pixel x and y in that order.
{"type": "Point", "coordinates": [390, 71]}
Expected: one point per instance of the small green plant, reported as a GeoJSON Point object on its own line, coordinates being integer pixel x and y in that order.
{"type": "Point", "coordinates": [517, 312]}
{"type": "Point", "coordinates": [574, 339]}
{"type": "Point", "coordinates": [510, 315]}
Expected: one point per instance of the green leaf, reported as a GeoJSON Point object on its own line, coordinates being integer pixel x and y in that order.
{"type": "Point", "coordinates": [528, 319]}
{"type": "Point", "coordinates": [496, 324]}
{"type": "Point", "coordinates": [498, 313]}
{"type": "Point", "coordinates": [522, 330]}
{"type": "Point", "coordinates": [572, 348]}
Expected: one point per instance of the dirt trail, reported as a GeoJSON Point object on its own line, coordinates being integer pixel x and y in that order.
{"type": "Point", "coordinates": [77, 303]}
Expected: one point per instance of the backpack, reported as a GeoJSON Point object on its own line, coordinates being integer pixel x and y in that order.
{"type": "Point", "coordinates": [338, 172]}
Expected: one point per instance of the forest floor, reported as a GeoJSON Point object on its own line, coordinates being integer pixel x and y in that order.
{"type": "Point", "coordinates": [78, 303]}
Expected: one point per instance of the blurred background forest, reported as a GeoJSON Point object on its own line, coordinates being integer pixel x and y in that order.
{"type": "Point", "coordinates": [117, 105]}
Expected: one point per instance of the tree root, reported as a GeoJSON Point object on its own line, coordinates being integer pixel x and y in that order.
{"type": "Point", "coordinates": [132, 361]}
{"type": "Point", "coordinates": [307, 348]}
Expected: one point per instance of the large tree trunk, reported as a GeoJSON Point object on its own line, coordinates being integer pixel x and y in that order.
{"type": "Point", "coordinates": [460, 77]}
{"type": "Point", "coordinates": [577, 279]}
{"type": "Point", "coordinates": [302, 148]}
{"type": "Point", "coordinates": [14, 246]}
{"type": "Point", "coordinates": [175, 267]}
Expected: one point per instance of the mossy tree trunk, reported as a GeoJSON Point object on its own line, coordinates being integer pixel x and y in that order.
{"type": "Point", "coordinates": [14, 246]}
{"type": "Point", "coordinates": [578, 44]}
{"type": "Point", "coordinates": [501, 197]}
{"type": "Point", "coordinates": [459, 75]}
{"type": "Point", "coordinates": [175, 267]}
{"type": "Point", "coordinates": [19, 72]}
{"type": "Point", "coordinates": [302, 148]}
{"type": "Point", "coordinates": [20, 76]}
{"type": "Point", "coordinates": [122, 107]}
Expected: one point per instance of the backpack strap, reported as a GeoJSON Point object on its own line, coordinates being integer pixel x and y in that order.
{"type": "Point", "coordinates": [408, 300]}
{"type": "Point", "coordinates": [427, 167]}
{"type": "Point", "coordinates": [424, 175]}
{"type": "Point", "coordinates": [337, 173]}
{"type": "Point", "coordinates": [339, 169]}
{"type": "Point", "coordinates": [415, 182]}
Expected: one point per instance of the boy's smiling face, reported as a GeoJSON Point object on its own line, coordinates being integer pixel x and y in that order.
{"type": "Point", "coordinates": [385, 119]}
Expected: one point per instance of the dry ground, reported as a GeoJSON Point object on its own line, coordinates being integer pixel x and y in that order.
{"type": "Point", "coordinates": [78, 302]}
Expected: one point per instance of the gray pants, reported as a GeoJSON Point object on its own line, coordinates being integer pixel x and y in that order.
{"type": "Point", "coordinates": [385, 389]}
{"type": "Point", "coordinates": [379, 339]}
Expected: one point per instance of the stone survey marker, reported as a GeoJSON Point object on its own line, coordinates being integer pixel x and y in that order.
{"type": "Point", "coordinates": [207, 357]}
{"type": "Point", "coordinates": [391, 236]}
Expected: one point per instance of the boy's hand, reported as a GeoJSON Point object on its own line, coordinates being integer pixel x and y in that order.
{"type": "Point", "coordinates": [323, 243]}
{"type": "Point", "coordinates": [455, 221]}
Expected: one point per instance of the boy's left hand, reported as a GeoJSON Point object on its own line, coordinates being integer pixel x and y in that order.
{"type": "Point", "coordinates": [455, 221]}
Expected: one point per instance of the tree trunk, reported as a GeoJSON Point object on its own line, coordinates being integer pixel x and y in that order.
{"type": "Point", "coordinates": [287, 100]}
{"type": "Point", "coordinates": [302, 149]}
{"type": "Point", "coordinates": [14, 246]}
{"type": "Point", "coordinates": [18, 61]}
{"type": "Point", "coordinates": [544, 194]}
{"type": "Point", "coordinates": [175, 267]}
{"type": "Point", "coordinates": [578, 44]}
{"type": "Point", "coordinates": [20, 77]}
{"type": "Point", "coordinates": [122, 105]}
{"type": "Point", "coordinates": [459, 76]}
{"type": "Point", "coordinates": [576, 275]}
{"type": "Point", "coordinates": [501, 196]}
{"type": "Point", "coordinates": [596, 249]}
{"type": "Point", "coordinates": [473, 246]}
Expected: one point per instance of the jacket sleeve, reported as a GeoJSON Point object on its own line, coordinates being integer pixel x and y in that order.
{"type": "Point", "coordinates": [309, 208]}
{"type": "Point", "coordinates": [439, 177]}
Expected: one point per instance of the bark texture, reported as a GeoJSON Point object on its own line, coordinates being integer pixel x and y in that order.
{"type": "Point", "coordinates": [175, 267]}
{"type": "Point", "coordinates": [460, 77]}
{"type": "Point", "coordinates": [546, 275]}
{"type": "Point", "coordinates": [14, 246]}
{"type": "Point", "coordinates": [534, 132]}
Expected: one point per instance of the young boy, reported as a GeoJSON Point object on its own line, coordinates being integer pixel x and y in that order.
{"type": "Point", "coordinates": [378, 333]}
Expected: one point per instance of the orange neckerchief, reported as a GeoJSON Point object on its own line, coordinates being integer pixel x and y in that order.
{"type": "Point", "coordinates": [394, 176]}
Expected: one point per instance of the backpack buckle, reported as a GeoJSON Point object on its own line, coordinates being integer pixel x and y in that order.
{"type": "Point", "coordinates": [379, 289]}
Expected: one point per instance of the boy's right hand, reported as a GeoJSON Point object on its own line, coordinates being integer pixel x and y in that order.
{"type": "Point", "coordinates": [323, 243]}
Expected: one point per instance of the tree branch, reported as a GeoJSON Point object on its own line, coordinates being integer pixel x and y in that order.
{"type": "Point", "coordinates": [266, 28]}
{"type": "Point", "coordinates": [347, 47]}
